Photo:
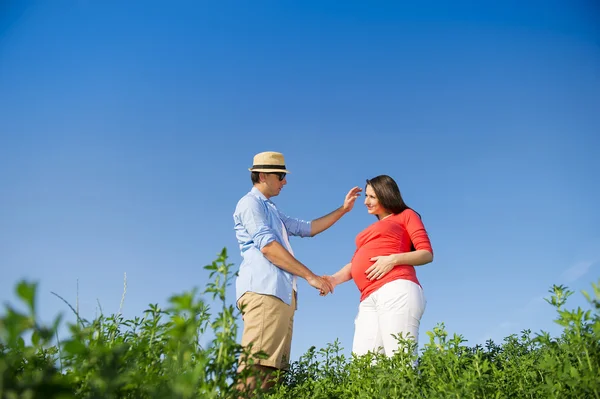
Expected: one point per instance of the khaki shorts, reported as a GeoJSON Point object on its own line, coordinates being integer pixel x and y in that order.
{"type": "Point", "coordinates": [268, 325]}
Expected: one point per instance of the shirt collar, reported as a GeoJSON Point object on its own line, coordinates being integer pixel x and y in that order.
{"type": "Point", "coordinates": [257, 193]}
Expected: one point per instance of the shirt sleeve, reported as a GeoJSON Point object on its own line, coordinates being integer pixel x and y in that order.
{"type": "Point", "coordinates": [295, 227]}
{"type": "Point", "coordinates": [416, 230]}
{"type": "Point", "coordinates": [253, 217]}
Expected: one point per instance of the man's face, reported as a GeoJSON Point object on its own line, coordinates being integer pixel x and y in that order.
{"type": "Point", "coordinates": [275, 182]}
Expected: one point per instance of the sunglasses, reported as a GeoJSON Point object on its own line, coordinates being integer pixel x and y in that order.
{"type": "Point", "coordinates": [280, 175]}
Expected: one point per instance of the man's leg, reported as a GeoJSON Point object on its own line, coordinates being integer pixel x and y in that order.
{"type": "Point", "coordinates": [268, 326]}
{"type": "Point", "coordinates": [262, 376]}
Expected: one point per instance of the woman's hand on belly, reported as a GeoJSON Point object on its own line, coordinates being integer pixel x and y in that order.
{"type": "Point", "coordinates": [381, 267]}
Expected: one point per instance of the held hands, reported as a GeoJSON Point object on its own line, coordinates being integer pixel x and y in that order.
{"type": "Point", "coordinates": [332, 282]}
{"type": "Point", "coordinates": [381, 267]}
{"type": "Point", "coordinates": [351, 198]}
{"type": "Point", "coordinates": [321, 284]}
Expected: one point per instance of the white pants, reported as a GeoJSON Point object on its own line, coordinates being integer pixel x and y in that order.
{"type": "Point", "coordinates": [394, 308]}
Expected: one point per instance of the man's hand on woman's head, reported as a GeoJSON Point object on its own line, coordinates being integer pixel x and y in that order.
{"type": "Point", "coordinates": [350, 199]}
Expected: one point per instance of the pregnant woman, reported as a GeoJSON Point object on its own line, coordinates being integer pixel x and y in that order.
{"type": "Point", "coordinates": [392, 299]}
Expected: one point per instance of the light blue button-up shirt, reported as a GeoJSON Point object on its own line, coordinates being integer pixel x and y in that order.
{"type": "Point", "coordinates": [257, 223]}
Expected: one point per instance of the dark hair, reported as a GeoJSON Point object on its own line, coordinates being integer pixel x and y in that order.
{"type": "Point", "coordinates": [388, 193]}
{"type": "Point", "coordinates": [255, 176]}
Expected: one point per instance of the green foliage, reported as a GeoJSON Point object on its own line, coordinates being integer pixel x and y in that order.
{"type": "Point", "coordinates": [522, 366]}
{"type": "Point", "coordinates": [158, 355]}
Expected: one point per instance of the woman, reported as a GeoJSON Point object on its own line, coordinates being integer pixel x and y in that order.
{"type": "Point", "coordinates": [392, 300]}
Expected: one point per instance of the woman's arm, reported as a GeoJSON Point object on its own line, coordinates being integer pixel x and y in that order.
{"type": "Point", "coordinates": [422, 254]}
{"type": "Point", "coordinates": [419, 257]}
{"type": "Point", "coordinates": [383, 264]}
{"type": "Point", "coordinates": [341, 276]}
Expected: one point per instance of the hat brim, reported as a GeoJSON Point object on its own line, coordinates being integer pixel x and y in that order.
{"type": "Point", "coordinates": [269, 170]}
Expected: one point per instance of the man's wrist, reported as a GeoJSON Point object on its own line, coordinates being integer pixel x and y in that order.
{"type": "Point", "coordinates": [308, 275]}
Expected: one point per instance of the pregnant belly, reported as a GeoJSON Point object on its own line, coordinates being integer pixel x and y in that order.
{"type": "Point", "coordinates": [361, 262]}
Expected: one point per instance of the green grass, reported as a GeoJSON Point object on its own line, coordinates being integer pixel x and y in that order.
{"type": "Point", "coordinates": [158, 355]}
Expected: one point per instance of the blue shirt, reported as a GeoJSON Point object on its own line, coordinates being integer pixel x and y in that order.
{"type": "Point", "coordinates": [257, 223]}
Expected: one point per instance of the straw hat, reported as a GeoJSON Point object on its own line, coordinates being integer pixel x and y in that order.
{"type": "Point", "coordinates": [269, 161]}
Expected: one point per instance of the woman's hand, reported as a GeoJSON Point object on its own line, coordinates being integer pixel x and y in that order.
{"type": "Point", "coordinates": [340, 277]}
{"type": "Point", "coordinates": [332, 280]}
{"type": "Point", "coordinates": [381, 267]}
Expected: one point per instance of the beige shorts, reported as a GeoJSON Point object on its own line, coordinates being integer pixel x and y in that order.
{"type": "Point", "coordinates": [268, 325]}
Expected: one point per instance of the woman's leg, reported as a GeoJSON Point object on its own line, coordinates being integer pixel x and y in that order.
{"type": "Point", "coordinates": [400, 306]}
{"type": "Point", "coordinates": [367, 336]}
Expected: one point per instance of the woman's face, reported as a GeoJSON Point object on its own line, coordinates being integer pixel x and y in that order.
{"type": "Point", "coordinates": [372, 203]}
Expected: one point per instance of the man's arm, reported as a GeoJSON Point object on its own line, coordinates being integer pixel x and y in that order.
{"type": "Point", "coordinates": [323, 223]}
{"type": "Point", "coordinates": [280, 257]}
{"type": "Point", "coordinates": [253, 217]}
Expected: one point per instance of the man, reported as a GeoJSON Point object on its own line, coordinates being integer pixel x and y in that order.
{"type": "Point", "coordinates": [266, 284]}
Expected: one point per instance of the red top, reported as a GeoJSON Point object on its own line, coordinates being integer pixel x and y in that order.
{"type": "Point", "coordinates": [388, 236]}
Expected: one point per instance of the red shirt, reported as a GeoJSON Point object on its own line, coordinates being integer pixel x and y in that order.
{"type": "Point", "coordinates": [388, 236]}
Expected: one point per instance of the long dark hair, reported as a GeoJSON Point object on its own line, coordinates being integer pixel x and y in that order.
{"type": "Point", "coordinates": [388, 194]}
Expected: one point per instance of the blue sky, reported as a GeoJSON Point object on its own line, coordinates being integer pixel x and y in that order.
{"type": "Point", "coordinates": [126, 131]}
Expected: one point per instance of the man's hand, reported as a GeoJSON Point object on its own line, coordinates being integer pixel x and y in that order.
{"type": "Point", "coordinates": [321, 284]}
{"type": "Point", "coordinates": [351, 198]}
{"type": "Point", "coordinates": [324, 222]}
{"type": "Point", "coordinates": [381, 267]}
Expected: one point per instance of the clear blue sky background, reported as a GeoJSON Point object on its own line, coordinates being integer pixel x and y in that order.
{"type": "Point", "coordinates": [127, 128]}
